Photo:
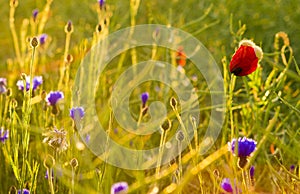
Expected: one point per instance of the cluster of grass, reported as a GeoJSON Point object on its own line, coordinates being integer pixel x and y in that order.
{"type": "Point", "coordinates": [263, 106]}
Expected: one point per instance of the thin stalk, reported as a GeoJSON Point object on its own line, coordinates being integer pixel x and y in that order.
{"type": "Point", "coordinates": [245, 181]}
{"type": "Point", "coordinates": [50, 182]}
{"type": "Point", "coordinates": [160, 153]}
{"type": "Point", "coordinates": [14, 33]}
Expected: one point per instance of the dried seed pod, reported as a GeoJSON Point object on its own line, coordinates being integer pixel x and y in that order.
{"type": "Point", "coordinates": [166, 125]}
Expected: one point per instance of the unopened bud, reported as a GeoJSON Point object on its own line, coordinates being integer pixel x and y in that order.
{"type": "Point", "coordinates": [69, 27]}
{"type": "Point", "coordinates": [34, 42]}
{"type": "Point", "coordinates": [74, 163]}
{"type": "Point", "coordinates": [166, 125]}
{"type": "Point", "coordinates": [173, 103]}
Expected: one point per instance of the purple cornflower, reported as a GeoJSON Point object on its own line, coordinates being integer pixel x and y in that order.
{"type": "Point", "coordinates": [35, 12]}
{"type": "Point", "coordinates": [87, 138]}
{"type": "Point", "coordinates": [101, 3]}
{"type": "Point", "coordinates": [37, 80]}
{"type": "Point", "coordinates": [53, 97]}
{"type": "Point", "coordinates": [3, 134]}
{"type": "Point", "coordinates": [251, 172]}
{"type": "Point", "coordinates": [119, 188]}
{"type": "Point", "coordinates": [3, 85]}
{"type": "Point", "coordinates": [245, 146]}
{"type": "Point", "coordinates": [226, 185]}
{"type": "Point", "coordinates": [24, 191]}
{"type": "Point", "coordinates": [47, 176]}
{"type": "Point", "coordinates": [77, 113]}
{"type": "Point", "coordinates": [292, 168]}
{"type": "Point", "coordinates": [144, 98]}
{"type": "Point", "coordinates": [43, 38]}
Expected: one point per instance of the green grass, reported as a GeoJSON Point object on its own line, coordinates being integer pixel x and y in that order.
{"type": "Point", "coordinates": [264, 105]}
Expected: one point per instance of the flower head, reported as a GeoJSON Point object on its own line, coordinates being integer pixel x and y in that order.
{"type": "Point", "coordinates": [57, 139]}
{"type": "Point", "coordinates": [24, 191]}
{"type": "Point", "coordinates": [226, 185]}
{"type": "Point", "coordinates": [245, 59]}
{"type": "Point", "coordinates": [77, 113]}
{"type": "Point", "coordinates": [53, 97]}
{"type": "Point", "coordinates": [3, 85]}
{"type": "Point", "coordinates": [251, 172]}
{"type": "Point", "coordinates": [37, 81]}
{"type": "Point", "coordinates": [245, 146]}
{"type": "Point", "coordinates": [35, 12]}
{"type": "Point", "coordinates": [119, 188]}
{"type": "Point", "coordinates": [3, 134]}
{"type": "Point", "coordinates": [144, 98]}
{"type": "Point", "coordinates": [43, 38]}
{"type": "Point", "coordinates": [101, 3]}
{"type": "Point", "coordinates": [47, 175]}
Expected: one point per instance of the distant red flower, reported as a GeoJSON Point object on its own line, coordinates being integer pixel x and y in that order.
{"type": "Point", "coordinates": [245, 59]}
{"type": "Point", "coordinates": [180, 57]}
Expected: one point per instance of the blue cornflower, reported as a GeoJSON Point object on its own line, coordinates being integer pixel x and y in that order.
{"type": "Point", "coordinates": [37, 81]}
{"type": "Point", "coordinates": [3, 134]}
{"type": "Point", "coordinates": [245, 146]}
{"type": "Point", "coordinates": [144, 98]}
{"type": "Point", "coordinates": [35, 12]}
{"type": "Point", "coordinates": [77, 113]}
{"type": "Point", "coordinates": [43, 38]}
{"type": "Point", "coordinates": [101, 3]}
{"type": "Point", "coordinates": [24, 191]}
{"type": "Point", "coordinates": [87, 138]}
{"type": "Point", "coordinates": [251, 172]}
{"type": "Point", "coordinates": [47, 175]}
{"type": "Point", "coordinates": [53, 97]}
{"type": "Point", "coordinates": [226, 185]}
{"type": "Point", "coordinates": [119, 188]}
{"type": "Point", "coordinates": [3, 85]}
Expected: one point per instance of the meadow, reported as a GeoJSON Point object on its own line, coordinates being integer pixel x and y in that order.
{"type": "Point", "coordinates": [89, 103]}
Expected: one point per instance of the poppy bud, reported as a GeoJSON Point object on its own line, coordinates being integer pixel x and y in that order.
{"type": "Point", "coordinates": [245, 59]}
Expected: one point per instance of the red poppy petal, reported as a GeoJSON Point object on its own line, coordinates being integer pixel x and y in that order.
{"type": "Point", "coordinates": [244, 61]}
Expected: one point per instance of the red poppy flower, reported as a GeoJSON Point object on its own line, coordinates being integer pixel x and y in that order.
{"type": "Point", "coordinates": [245, 59]}
{"type": "Point", "coordinates": [180, 57]}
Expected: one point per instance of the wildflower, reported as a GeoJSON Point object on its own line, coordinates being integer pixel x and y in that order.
{"type": "Point", "coordinates": [180, 57]}
{"type": "Point", "coordinates": [56, 139]}
{"type": "Point", "coordinates": [292, 168]}
{"type": "Point", "coordinates": [35, 12]}
{"type": "Point", "coordinates": [87, 138]}
{"type": "Point", "coordinates": [119, 188]}
{"type": "Point", "coordinates": [69, 27]}
{"type": "Point", "coordinates": [53, 97]}
{"type": "Point", "coordinates": [34, 42]}
{"type": "Point", "coordinates": [77, 113]}
{"type": "Point", "coordinates": [47, 175]}
{"type": "Point", "coordinates": [144, 98]}
{"type": "Point", "coordinates": [245, 148]}
{"type": "Point", "coordinates": [180, 136]}
{"type": "Point", "coordinates": [3, 85]}
{"type": "Point", "coordinates": [37, 81]}
{"type": "Point", "coordinates": [251, 172]}
{"type": "Point", "coordinates": [43, 38]}
{"type": "Point", "coordinates": [226, 185]}
{"type": "Point", "coordinates": [3, 134]}
{"type": "Point", "coordinates": [24, 191]}
{"type": "Point", "coordinates": [101, 3]}
{"type": "Point", "coordinates": [245, 59]}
